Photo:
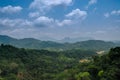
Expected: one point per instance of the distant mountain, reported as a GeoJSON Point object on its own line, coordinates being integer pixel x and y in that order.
{"type": "Point", "coordinates": [6, 39]}
{"type": "Point", "coordinates": [28, 43]}
{"type": "Point", "coordinates": [117, 42]}
{"type": "Point", "coordinates": [46, 38]}
{"type": "Point", "coordinates": [94, 45]}
{"type": "Point", "coordinates": [50, 45]}
{"type": "Point", "coordinates": [73, 40]}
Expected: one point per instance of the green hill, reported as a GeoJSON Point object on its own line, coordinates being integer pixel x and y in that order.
{"type": "Point", "coordinates": [94, 45]}
{"type": "Point", "coordinates": [28, 43]}
{"type": "Point", "coordinates": [28, 64]}
{"type": "Point", "coordinates": [6, 39]}
{"type": "Point", "coordinates": [32, 43]}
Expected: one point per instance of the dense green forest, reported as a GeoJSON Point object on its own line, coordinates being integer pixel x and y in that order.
{"type": "Point", "coordinates": [31, 64]}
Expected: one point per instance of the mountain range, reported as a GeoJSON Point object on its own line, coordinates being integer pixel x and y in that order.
{"type": "Point", "coordinates": [73, 40]}
{"type": "Point", "coordinates": [32, 43]}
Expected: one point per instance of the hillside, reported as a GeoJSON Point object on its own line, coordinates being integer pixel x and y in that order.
{"type": "Point", "coordinates": [27, 64]}
{"type": "Point", "coordinates": [28, 43]}
{"type": "Point", "coordinates": [105, 67]}
{"type": "Point", "coordinates": [32, 43]}
{"type": "Point", "coordinates": [94, 45]}
{"type": "Point", "coordinates": [73, 40]}
{"type": "Point", "coordinates": [6, 39]}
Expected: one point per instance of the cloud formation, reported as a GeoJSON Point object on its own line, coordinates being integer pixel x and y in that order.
{"type": "Point", "coordinates": [43, 21]}
{"type": "Point", "coordinates": [34, 14]}
{"type": "Point", "coordinates": [106, 15]}
{"type": "Point", "coordinates": [91, 2]}
{"type": "Point", "coordinates": [10, 9]}
{"type": "Point", "coordinates": [65, 22]}
{"type": "Point", "coordinates": [77, 14]}
{"type": "Point", "coordinates": [47, 4]}
{"type": "Point", "coordinates": [71, 18]}
{"type": "Point", "coordinates": [114, 12]}
{"type": "Point", "coordinates": [14, 23]}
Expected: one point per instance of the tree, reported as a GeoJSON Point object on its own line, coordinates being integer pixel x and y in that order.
{"type": "Point", "coordinates": [83, 76]}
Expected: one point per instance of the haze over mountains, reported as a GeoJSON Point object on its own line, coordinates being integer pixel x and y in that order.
{"type": "Point", "coordinates": [73, 40]}
{"type": "Point", "coordinates": [38, 44]}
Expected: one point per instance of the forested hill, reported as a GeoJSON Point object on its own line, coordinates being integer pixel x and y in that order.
{"type": "Point", "coordinates": [32, 43]}
{"type": "Point", "coordinates": [27, 64]}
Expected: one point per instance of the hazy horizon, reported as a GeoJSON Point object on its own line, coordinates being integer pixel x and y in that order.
{"type": "Point", "coordinates": [62, 40]}
{"type": "Point", "coordinates": [44, 19]}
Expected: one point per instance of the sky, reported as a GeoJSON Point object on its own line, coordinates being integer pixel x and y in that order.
{"type": "Point", "coordinates": [57, 19]}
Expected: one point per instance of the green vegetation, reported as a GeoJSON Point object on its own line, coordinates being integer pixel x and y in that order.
{"type": "Point", "coordinates": [105, 67]}
{"type": "Point", "coordinates": [31, 43]}
{"type": "Point", "coordinates": [28, 64]}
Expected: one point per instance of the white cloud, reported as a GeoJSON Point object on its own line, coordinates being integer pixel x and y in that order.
{"type": "Point", "coordinates": [114, 12]}
{"type": "Point", "coordinates": [106, 15]}
{"type": "Point", "coordinates": [77, 14]}
{"type": "Point", "coordinates": [34, 14]}
{"type": "Point", "coordinates": [91, 2]}
{"type": "Point", "coordinates": [14, 23]}
{"type": "Point", "coordinates": [65, 22]}
{"type": "Point", "coordinates": [43, 21]}
{"type": "Point", "coordinates": [10, 9]}
{"type": "Point", "coordinates": [74, 17]}
{"type": "Point", "coordinates": [47, 4]}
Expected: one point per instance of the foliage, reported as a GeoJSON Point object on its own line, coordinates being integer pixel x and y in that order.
{"type": "Point", "coordinates": [31, 43]}
{"type": "Point", "coordinates": [30, 64]}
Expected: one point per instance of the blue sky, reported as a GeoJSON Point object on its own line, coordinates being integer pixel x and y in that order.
{"type": "Point", "coordinates": [43, 19]}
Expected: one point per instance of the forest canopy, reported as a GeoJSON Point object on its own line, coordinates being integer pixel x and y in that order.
{"type": "Point", "coordinates": [31, 64]}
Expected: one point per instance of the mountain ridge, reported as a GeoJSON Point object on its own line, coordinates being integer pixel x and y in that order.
{"type": "Point", "coordinates": [38, 44]}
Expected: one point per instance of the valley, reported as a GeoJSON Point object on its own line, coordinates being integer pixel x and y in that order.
{"type": "Point", "coordinates": [47, 60]}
